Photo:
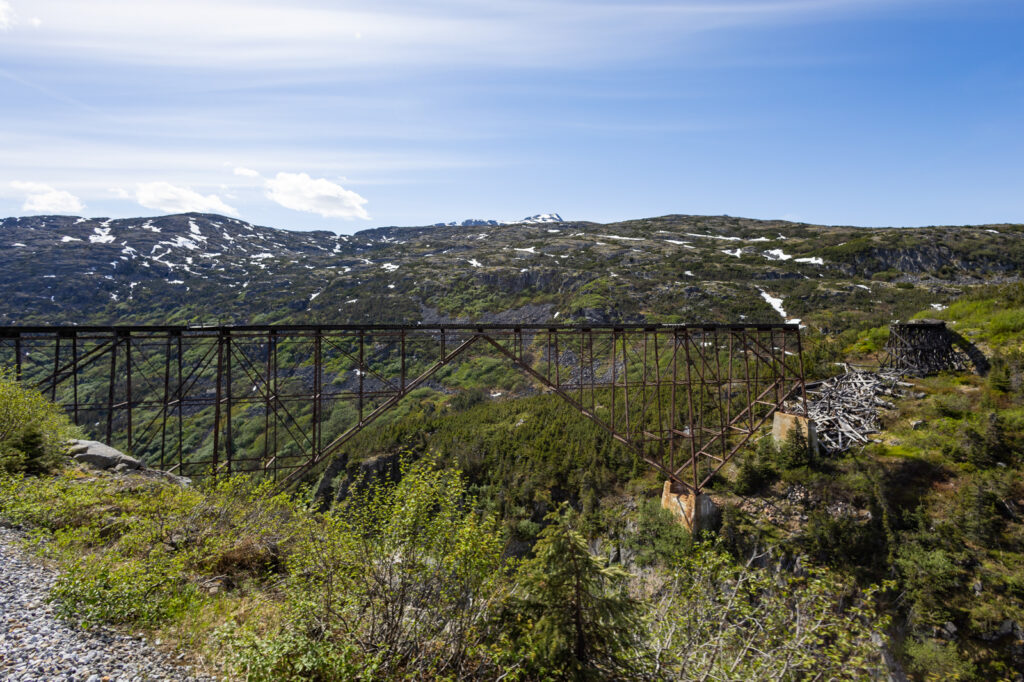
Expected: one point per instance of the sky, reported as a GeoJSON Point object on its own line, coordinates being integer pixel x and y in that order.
{"type": "Point", "coordinates": [348, 114]}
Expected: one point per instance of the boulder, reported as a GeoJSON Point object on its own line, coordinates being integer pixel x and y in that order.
{"type": "Point", "coordinates": [102, 456]}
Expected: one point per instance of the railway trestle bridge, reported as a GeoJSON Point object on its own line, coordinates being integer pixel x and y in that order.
{"type": "Point", "coordinates": [280, 399]}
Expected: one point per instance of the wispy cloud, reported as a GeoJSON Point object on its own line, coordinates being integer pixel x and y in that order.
{"type": "Point", "coordinates": [42, 198]}
{"type": "Point", "coordinates": [259, 35]}
{"type": "Point", "coordinates": [6, 15]}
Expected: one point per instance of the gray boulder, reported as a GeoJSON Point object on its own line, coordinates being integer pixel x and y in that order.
{"type": "Point", "coordinates": [102, 456]}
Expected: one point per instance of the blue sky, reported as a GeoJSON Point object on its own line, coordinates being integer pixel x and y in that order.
{"type": "Point", "coordinates": [352, 114]}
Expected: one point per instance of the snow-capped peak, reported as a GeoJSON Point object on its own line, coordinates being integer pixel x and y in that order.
{"type": "Point", "coordinates": [538, 219]}
{"type": "Point", "coordinates": [472, 222]}
{"type": "Point", "coordinates": [542, 218]}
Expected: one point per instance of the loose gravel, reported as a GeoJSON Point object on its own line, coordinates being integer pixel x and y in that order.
{"type": "Point", "coordinates": [35, 645]}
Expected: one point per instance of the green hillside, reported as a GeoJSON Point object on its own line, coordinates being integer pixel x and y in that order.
{"type": "Point", "coordinates": [918, 535]}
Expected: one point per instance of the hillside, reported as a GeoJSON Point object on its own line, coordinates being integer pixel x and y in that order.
{"type": "Point", "coordinates": [931, 509]}
{"type": "Point", "coordinates": [208, 268]}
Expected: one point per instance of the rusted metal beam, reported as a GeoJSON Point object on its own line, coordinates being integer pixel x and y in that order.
{"type": "Point", "coordinates": [682, 398]}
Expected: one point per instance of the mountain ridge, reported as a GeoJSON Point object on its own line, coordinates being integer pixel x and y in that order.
{"type": "Point", "coordinates": [669, 268]}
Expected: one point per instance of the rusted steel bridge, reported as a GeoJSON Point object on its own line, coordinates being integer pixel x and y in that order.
{"type": "Point", "coordinates": [280, 399]}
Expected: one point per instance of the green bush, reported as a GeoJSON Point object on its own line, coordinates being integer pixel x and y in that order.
{"type": "Point", "coordinates": [33, 430]}
{"type": "Point", "coordinates": [753, 473]}
{"type": "Point", "coordinates": [933, 660]}
{"type": "Point", "coordinates": [738, 622]}
{"type": "Point", "coordinates": [109, 589]}
{"type": "Point", "coordinates": [397, 581]}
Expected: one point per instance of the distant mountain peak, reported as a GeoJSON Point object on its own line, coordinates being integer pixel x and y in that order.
{"type": "Point", "coordinates": [537, 219]}
{"type": "Point", "coordinates": [542, 218]}
{"type": "Point", "coordinates": [471, 222]}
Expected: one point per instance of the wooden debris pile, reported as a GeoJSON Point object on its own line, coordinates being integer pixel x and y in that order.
{"type": "Point", "coordinates": [845, 408]}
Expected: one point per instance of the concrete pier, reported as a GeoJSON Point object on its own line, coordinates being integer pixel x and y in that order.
{"type": "Point", "coordinates": [695, 512]}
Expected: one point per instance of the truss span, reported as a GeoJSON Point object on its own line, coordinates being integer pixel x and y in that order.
{"type": "Point", "coordinates": [280, 399]}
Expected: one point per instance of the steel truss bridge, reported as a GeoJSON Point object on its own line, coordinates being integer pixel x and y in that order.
{"type": "Point", "coordinates": [280, 399]}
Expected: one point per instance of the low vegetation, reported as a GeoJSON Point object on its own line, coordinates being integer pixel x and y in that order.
{"type": "Point", "coordinates": [411, 581]}
{"type": "Point", "coordinates": [498, 553]}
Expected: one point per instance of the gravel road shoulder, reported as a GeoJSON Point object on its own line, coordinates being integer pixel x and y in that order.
{"type": "Point", "coordinates": [36, 645]}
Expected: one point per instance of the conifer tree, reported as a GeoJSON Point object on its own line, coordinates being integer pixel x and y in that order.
{"type": "Point", "coordinates": [574, 616]}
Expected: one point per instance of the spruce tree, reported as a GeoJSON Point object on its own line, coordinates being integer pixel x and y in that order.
{"type": "Point", "coordinates": [576, 620]}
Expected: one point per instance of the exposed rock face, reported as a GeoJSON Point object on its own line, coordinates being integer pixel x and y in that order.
{"type": "Point", "coordinates": [102, 456]}
{"type": "Point", "coordinates": [925, 259]}
{"type": "Point", "coordinates": [341, 479]}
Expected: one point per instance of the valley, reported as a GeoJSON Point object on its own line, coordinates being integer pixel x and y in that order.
{"type": "Point", "coordinates": [929, 510]}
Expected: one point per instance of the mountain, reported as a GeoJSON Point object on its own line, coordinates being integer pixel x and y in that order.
{"type": "Point", "coordinates": [477, 222]}
{"type": "Point", "coordinates": [208, 268]}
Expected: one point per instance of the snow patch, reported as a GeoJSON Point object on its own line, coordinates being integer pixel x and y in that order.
{"type": "Point", "coordinates": [813, 260]}
{"type": "Point", "coordinates": [194, 229]}
{"type": "Point", "coordinates": [714, 236]}
{"type": "Point", "coordinates": [625, 239]}
{"type": "Point", "coordinates": [102, 235]}
{"type": "Point", "coordinates": [776, 303]}
{"type": "Point", "coordinates": [390, 267]}
{"type": "Point", "coordinates": [734, 252]}
{"type": "Point", "coordinates": [179, 241]}
{"type": "Point", "coordinates": [475, 263]}
{"type": "Point", "coordinates": [776, 254]}
{"type": "Point", "coordinates": [65, 239]}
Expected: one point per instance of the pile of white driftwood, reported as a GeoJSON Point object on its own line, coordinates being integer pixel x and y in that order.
{"type": "Point", "coordinates": [844, 409]}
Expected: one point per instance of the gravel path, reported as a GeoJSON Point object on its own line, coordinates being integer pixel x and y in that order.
{"type": "Point", "coordinates": [35, 645]}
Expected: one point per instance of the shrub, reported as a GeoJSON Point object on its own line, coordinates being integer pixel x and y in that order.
{"type": "Point", "coordinates": [716, 619]}
{"type": "Point", "coordinates": [399, 579]}
{"type": "Point", "coordinates": [32, 429]}
{"type": "Point", "coordinates": [752, 475]}
{"type": "Point", "coordinates": [108, 589]}
{"type": "Point", "coordinates": [933, 660]}
{"type": "Point", "coordinates": [658, 535]}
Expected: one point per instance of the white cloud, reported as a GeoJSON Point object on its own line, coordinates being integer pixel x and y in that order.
{"type": "Point", "coordinates": [167, 197]}
{"type": "Point", "coordinates": [6, 15]}
{"type": "Point", "coordinates": [40, 198]}
{"type": "Point", "coordinates": [247, 172]}
{"type": "Point", "coordinates": [300, 192]}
